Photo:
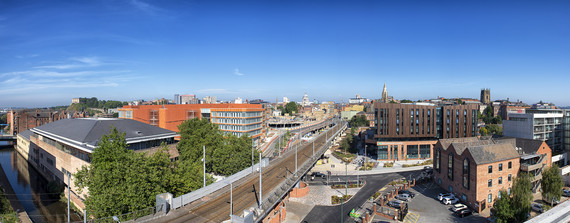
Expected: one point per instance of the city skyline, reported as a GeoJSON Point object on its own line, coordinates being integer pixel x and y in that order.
{"type": "Point", "coordinates": [53, 51]}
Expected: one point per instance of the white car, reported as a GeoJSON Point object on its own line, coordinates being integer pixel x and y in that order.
{"type": "Point", "coordinates": [449, 200]}
{"type": "Point", "coordinates": [442, 195]}
{"type": "Point", "coordinates": [403, 197]}
{"type": "Point", "coordinates": [458, 207]}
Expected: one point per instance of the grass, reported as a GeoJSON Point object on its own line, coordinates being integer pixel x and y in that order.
{"type": "Point", "coordinates": [339, 186]}
{"type": "Point", "coordinates": [388, 164]}
{"type": "Point", "coordinates": [337, 199]}
{"type": "Point", "coordinates": [427, 162]}
{"type": "Point", "coordinates": [345, 157]}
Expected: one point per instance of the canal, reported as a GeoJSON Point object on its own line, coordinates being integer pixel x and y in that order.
{"type": "Point", "coordinates": [31, 188]}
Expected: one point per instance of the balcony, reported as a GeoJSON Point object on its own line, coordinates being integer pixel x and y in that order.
{"type": "Point", "coordinates": [530, 167]}
{"type": "Point", "coordinates": [536, 178]}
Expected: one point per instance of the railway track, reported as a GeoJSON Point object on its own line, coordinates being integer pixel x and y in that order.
{"type": "Point", "coordinates": [245, 194]}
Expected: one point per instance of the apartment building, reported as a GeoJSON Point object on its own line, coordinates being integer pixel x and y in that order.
{"type": "Point", "coordinates": [63, 147]}
{"type": "Point", "coordinates": [540, 124]}
{"type": "Point", "coordinates": [21, 120]}
{"type": "Point", "coordinates": [475, 170]}
{"type": "Point", "coordinates": [409, 131]}
{"type": "Point", "coordinates": [236, 119]}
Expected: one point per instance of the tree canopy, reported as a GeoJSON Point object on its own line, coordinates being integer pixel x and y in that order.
{"type": "Point", "coordinates": [521, 196]}
{"type": "Point", "coordinates": [225, 154]}
{"type": "Point", "coordinates": [489, 118]}
{"type": "Point", "coordinates": [503, 211]}
{"type": "Point", "coordinates": [552, 183]}
{"type": "Point", "coordinates": [290, 108]}
{"type": "Point", "coordinates": [358, 121]}
{"type": "Point", "coordinates": [120, 180]}
{"type": "Point", "coordinates": [406, 101]}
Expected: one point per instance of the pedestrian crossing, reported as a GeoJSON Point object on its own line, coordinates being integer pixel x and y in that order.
{"type": "Point", "coordinates": [412, 217]}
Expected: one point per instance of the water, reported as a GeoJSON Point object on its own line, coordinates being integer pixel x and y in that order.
{"type": "Point", "coordinates": [30, 188]}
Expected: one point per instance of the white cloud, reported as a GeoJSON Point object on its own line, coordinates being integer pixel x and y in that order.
{"type": "Point", "coordinates": [145, 7]}
{"type": "Point", "coordinates": [236, 72]}
{"type": "Point", "coordinates": [77, 62]}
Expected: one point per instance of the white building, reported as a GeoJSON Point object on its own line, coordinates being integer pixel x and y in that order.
{"type": "Point", "coordinates": [305, 101]}
{"type": "Point", "coordinates": [356, 100]}
{"type": "Point", "coordinates": [285, 100]}
{"type": "Point", "coordinates": [540, 124]}
{"type": "Point", "coordinates": [209, 100]}
{"type": "Point", "coordinates": [238, 101]}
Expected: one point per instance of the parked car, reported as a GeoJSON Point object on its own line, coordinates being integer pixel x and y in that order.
{"type": "Point", "coordinates": [463, 213]}
{"type": "Point", "coordinates": [553, 201]}
{"type": "Point", "coordinates": [449, 200]}
{"type": "Point", "coordinates": [458, 207]}
{"type": "Point", "coordinates": [537, 207]}
{"type": "Point", "coordinates": [395, 203]}
{"type": "Point", "coordinates": [566, 193]}
{"type": "Point", "coordinates": [403, 197]}
{"type": "Point", "coordinates": [317, 174]}
{"type": "Point", "coordinates": [411, 194]}
{"type": "Point", "coordinates": [441, 195]}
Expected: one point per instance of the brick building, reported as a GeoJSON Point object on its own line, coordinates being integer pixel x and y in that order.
{"type": "Point", "coordinates": [409, 131]}
{"type": "Point", "coordinates": [475, 170]}
{"type": "Point", "coordinates": [236, 119]}
{"type": "Point", "coordinates": [23, 119]}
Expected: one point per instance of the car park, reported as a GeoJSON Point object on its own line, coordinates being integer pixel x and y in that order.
{"type": "Point", "coordinates": [463, 213]}
{"type": "Point", "coordinates": [449, 200]}
{"type": "Point", "coordinates": [537, 207]}
{"type": "Point", "coordinates": [458, 207]}
{"type": "Point", "coordinates": [403, 197]}
{"type": "Point", "coordinates": [441, 195]}
{"type": "Point", "coordinates": [395, 203]}
{"type": "Point", "coordinates": [411, 194]}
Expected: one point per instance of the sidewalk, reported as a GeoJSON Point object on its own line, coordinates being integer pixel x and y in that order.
{"type": "Point", "coordinates": [338, 167]}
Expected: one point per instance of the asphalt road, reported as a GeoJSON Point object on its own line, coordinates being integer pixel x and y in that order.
{"type": "Point", "coordinates": [373, 184]}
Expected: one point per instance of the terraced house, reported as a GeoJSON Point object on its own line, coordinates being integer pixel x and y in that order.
{"type": "Point", "coordinates": [475, 170]}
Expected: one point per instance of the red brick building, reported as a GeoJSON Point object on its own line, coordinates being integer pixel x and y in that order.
{"type": "Point", "coordinates": [23, 119]}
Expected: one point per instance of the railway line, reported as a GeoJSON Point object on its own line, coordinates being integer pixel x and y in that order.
{"type": "Point", "coordinates": [245, 191]}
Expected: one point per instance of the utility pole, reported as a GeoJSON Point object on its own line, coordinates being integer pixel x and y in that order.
{"type": "Point", "coordinates": [296, 147]}
{"type": "Point", "coordinates": [365, 157]}
{"type": "Point", "coordinates": [260, 186]}
{"type": "Point", "coordinates": [68, 197]}
{"type": "Point", "coordinates": [252, 143]}
{"type": "Point", "coordinates": [204, 161]}
{"type": "Point", "coordinates": [313, 147]}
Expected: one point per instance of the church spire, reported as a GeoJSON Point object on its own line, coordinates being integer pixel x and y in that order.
{"type": "Point", "coordinates": [384, 94]}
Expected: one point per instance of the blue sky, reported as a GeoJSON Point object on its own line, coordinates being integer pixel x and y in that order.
{"type": "Point", "coordinates": [52, 51]}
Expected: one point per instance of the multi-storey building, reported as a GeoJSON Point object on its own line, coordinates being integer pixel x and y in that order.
{"type": "Point", "coordinates": [486, 96]}
{"type": "Point", "coordinates": [24, 119]}
{"type": "Point", "coordinates": [566, 128]}
{"type": "Point", "coordinates": [475, 170]}
{"type": "Point", "coordinates": [409, 131]}
{"type": "Point", "coordinates": [540, 124]}
{"type": "Point", "coordinates": [189, 99]}
{"type": "Point", "coordinates": [237, 119]}
{"type": "Point", "coordinates": [60, 148]}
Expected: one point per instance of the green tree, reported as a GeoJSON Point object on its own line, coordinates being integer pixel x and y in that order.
{"type": "Point", "coordinates": [552, 183]}
{"type": "Point", "coordinates": [358, 121]}
{"type": "Point", "coordinates": [522, 196]}
{"type": "Point", "coordinates": [483, 131]}
{"type": "Point", "coordinates": [4, 119]}
{"type": "Point", "coordinates": [234, 156]}
{"type": "Point", "coordinates": [291, 107]}
{"type": "Point", "coordinates": [281, 108]}
{"type": "Point", "coordinates": [406, 101]}
{"type": "Point", "coordinates": [503, 211]}
{"type": "Point", "coordinates": [196, 133]}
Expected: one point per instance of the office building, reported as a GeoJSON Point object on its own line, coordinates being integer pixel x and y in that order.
{"type": "Point", "coordinates": [63, 147]}
{"type": "Point", "coordinates": [237, 119]}
{"type": "Point", "coordinates": [189, 99]}
{"type": "Point", "coordinates": [409, 131]}
{"type": "Point", "coordinates": [537, 123]}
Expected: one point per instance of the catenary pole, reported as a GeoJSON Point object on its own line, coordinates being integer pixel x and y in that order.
{"type": "Point", "coordinates": [68, 197]}
{"type": "Point", "coordinates": [204, 161]}
{"type": "Point", "coordinates": [260, 185]}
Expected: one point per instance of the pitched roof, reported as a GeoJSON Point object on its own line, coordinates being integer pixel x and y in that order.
{"type": "Point", "coordinates": [528, 146]}
{"type": "Point", "coordinates": [493, 153]}
{"type": "Point", "coordinates": [461, 146]}
{"type": "Point", "coordinates": [26, 134]}
{"type": "Point", "coordinates": [447, 142]}
{"type": "Point", "coordinates": [85, 133]}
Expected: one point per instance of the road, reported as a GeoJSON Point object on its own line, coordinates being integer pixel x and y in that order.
{"type": "Point", "coordinates": [373, 184]}
{"type": "Point", "coordinates": [216, 207]}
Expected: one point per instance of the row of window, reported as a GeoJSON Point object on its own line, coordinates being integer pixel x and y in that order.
{"type": "Point", "coordinates": [490, 181]}
{"type": "Point", "coordinates": [490, 196]}
{"type": "Point", "coordinates": [236, 114]}
{"type": "Point", "coordinates": [510, 166]}
{"type": "Point", "coordinates": [412, 151]}
{"type": "Point", "coordinates": [235, 120]}
{"type": "Point", "coordinates": [239, 127]}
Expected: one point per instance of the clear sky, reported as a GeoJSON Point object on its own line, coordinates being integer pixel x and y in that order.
{"type": "Point", "coordinates": [52, 51]}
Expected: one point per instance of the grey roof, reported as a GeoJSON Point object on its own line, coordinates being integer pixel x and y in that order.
{"type": "Point", "coordinates": [26, 134]}
{"type": "Point", "coordinates": [528, 146]}
{"type": "Point", "coordinates": [447, 142]}
{"type": "Point", "coordinates": [461, 146]}
{"type": "Point", "coordinates": [85, 133]}
{"type": "Point", "coordinates": [493, 153]}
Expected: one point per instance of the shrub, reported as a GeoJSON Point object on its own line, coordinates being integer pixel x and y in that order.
{"type": "Point", "coordinates": [388, 164]}
{"type": "Point", "coordinates": [337, 199]}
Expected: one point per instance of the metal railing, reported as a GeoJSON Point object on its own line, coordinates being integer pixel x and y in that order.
{"type": "Point", "coordinates": [143, 215]}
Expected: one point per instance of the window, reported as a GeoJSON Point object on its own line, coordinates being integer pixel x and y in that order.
{"type": "Point", "coordinates": [437, 159]}
{"type": "Point", "coordinates": [499, 195]}
{"type": "Point", "coordinates": [412, 151]}
{"type": "Point", "coordinates": [510, 165]}
{"type": "Point", "coordinates": [489, 198]}
{"type": "Point", "coordinates": [509, 178]}
{"type": "Point", "coordinates": [450, 166]}
{"type": "Point", "coordinates": [500, 167]}
{"type": "Point", "coordinates": [509, 191]}
{"type": "Point", "coordinates": [425, 151]}
{"type": "Point", "coordinates": [500, 180]}
{"type": "Point", "coordinates": [382, 152]}
{"type": "Point", "coordinates": [464, 197]}
{"type": "Point", "coordinates": [490, 183]}
{"type": "Point", "coordinates": [466, 173]}
{"type": "Point", "coordinates": [490, 169]}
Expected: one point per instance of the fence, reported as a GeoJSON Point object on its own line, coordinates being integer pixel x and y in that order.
{"type": "Point", "coordinates": [185, 199]}
{"type": "Point", "coordinates": [143, 215]}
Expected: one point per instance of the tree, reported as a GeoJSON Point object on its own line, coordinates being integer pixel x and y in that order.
{"type": "Point", "coordinates": [234, 156]}
{"type": "Point", "coordinates": [406, 101]}
{"type": "Point", "coordinates": [552, 183]}
{"type": "Point", "coordinates": [503, 211]}
{"type": "Point", "coordinates": [4, 119]}
{"type": "Point", "coordinates": [194, 134]}
{"type": "Point", "coordinates": [358, 121]}
{"type": "Point", "coordinates": [483, 131]}
{"type": "Point", "coordinates": [522, 196]}
{"type": "Point", "coordinates": [291, 107]}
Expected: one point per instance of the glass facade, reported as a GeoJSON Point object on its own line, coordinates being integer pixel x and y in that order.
{"type": "Point", "coordinates": [382, 152]}
{"type": "Point", "coordinates": [412, 151]}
